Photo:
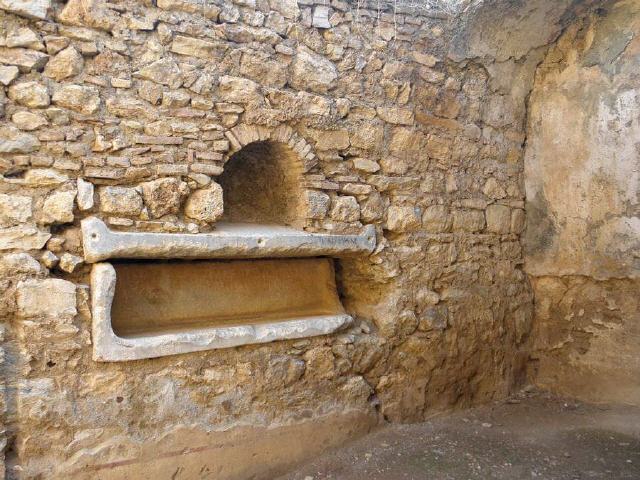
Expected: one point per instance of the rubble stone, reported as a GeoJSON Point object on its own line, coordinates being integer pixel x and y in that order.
{"type": "Point", "coordinates": [206, 204]}
{"type": "Point", "coordinates": [120, 201]}
{"type": "Point", "coordinates": [48, 297]}
{"type": "Point", "coordinates": [58, 207]}
{"type": "Point", "coordinates": [79, 98]}
{"type": "Point", "coordinates": [164, 196]}
{"type": "Point", "coordinates": [65, 64]}
{"type": "Point", "coordinates": [30, 94]}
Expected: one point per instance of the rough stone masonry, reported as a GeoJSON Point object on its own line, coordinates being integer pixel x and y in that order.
{"type": "Point", "coordinates": [409, 119]}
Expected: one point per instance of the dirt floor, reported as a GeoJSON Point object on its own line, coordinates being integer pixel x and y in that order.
{"type": "Point", "coordinates": [530, 436]}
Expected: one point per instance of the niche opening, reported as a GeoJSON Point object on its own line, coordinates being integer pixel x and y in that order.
{"type": "Point", "coordinates": [262, 183]}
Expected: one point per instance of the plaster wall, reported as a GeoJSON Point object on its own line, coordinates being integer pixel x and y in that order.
{"type": "Point", "coordinates": [582, 177]}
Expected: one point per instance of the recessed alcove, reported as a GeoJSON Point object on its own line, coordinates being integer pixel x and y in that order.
{"type": "Point", "coordinates": [256, 277]}
{"type": "Point", "coordinates": [261, 183]}
{"type": "Point", "coordinates": [153, 298]}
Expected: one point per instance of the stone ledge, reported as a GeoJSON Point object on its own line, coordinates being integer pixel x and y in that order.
{"type": "Point", "coordinates": [108, 347]}
{"type": "Point", "coordinates": [228, 241]}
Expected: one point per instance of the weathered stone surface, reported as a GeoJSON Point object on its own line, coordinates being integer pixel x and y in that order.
{"type": "Point", "coordinates": [194, 47]}
{"type": "Point", "coordinates": [14, 209]}
{"type": "Point", "coordinates": [29, 121]}
{"type": "Point", "coordinates": [13, 140]}
{"type": "Point", "coordinates": [239, 90]}
{"type": "Point", "coordinates": [332, 140]}
{"type": "Point", "coordinates": [84, 198]}
{"type": "Point", "coordinates": [468, 220]}
{"type": "Point", "coordinates": [44, 177]}
{"type": "Point", "coordinates": [403, 218]}
{"type": "Point", "coordinates": [24, 37]}
{"type": "Point", "coordinates": [396, 115]}
{"type": "Point", "coordinates": [164, 71]}
{"type": "Point", "coordinates": [498, 218]}
{"type": "Point", "coordinates": [436, 219]}
{"type": "Point", "coordinates": [90, 13]}
{"type": "Point", "coordinates": [164, 196]}
{"type": "Point", "coordinates": [365, 165]}
{"type": "Point", "coordinates": [230, 241]}
{"type": "Point", "coordinates": [19, 263]}
{"type": "Point", "coordinates": [25, 60]}
{"type": "Point", "coordinates": [120, 200]}
{"type": "Point", "coordinates": [317, 204]}
{"type": "Point", "coordinates": [8, 74]}
{"type": "Point", "coordinates": [58, 207]}
{"type": "Point", "coordinates": [30, 94]}
{"type": "Point", "coordinates": [49, 297]}
{"type": "Point", "coordinates": [82, 99]}
{"type": "Point", "coordinates": [22, 237]}
{"type": "Point", "coordinates": [27, 8]}
{"type": "Point", "coordinates": [206, 204]}
{"type": "Point", "coordinates": [69, 263]}
{"type": "Point", "coordinates": [312, 72]}
{"type": "Point", "coordinates": [345, 209]}
{"type": "Point", "coordinates": [65, 64]}
{"type": "Point", "coordinates": [321, 17]}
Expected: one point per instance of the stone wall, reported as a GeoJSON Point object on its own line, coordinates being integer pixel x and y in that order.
{"type": "Point", "coordinates": [129, 110]}
{"type": "Point", "coordinates": [583, 208]}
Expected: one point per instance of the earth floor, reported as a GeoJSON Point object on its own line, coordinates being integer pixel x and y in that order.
{"type": "Point", "coordinates": [533, 435]}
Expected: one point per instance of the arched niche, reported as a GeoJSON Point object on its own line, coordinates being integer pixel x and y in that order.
{"type": "Point", "coordinates": [262, 183]}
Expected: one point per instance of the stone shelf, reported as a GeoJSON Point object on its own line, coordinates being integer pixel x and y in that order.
{"type": "Point", "coordinates": [228, 241]}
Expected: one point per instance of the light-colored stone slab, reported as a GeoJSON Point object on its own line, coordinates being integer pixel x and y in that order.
{"type": "Point", "coordinates": [228, 241]}
{"type": "Point", "coordinates": [108, 347]}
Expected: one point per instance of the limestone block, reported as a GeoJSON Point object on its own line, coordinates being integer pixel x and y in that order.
{"type": "Point", "coordinates": [492, 189]}
{"type": "Point", "coordinates": [49, 297]}
{"type": "Point", "coordinates": [89, 13]}
{"type": "Point", "coordinates": [317, 204]}
{"type": "Point", "coordinates": [30, 94]}
{"type": "Point", "coordinates": [65, 64]}
{"type": "Point", "coordinates": [313, 72]}
{"type": "Point", "coordinates": [26, 60]}
{"type": "Point", "coordinates": [372, 208]}
{"type": "Point", "coordinates": [193, 47]}
{"type": "Point", "coordinates": [14, 209]}
{"type": "Point", "coordinates": [365, 165]}
{"type": "Point", "coordinates": [29, 120]}
{"type": "Point", "coordinates": [345, 209]}
{"type": "Point", "coordinates": [79, 98]}
{"type": "Point", "coordinates": [175, 99]}
{"type": "Point", "coordinates": [27, 8]}
{"type": "Point", "coordinates": [69, 262]}
{"type": "Point", "coordinates": [23, 37]}
{"type": "Point", "coordinates": [13, 140]}
{"type": "Point", "coordinates": [49, 259]}
{"type": "Point", "coordinates": [205, 205]}
{"type": "Point", "coordinates": [287, 8]}
{"type": "Point", "coordinates": [22, 237]}
{"type": "Point", "coordinates": [8, 74]}
{"type": "Point", "coordinates": [44, 177]}
{"type": "Point", "coordinates": [436, 219]}
{"type": "Point", "coordinates": [424, 59]}
{"type": "Point", "coordinates": [320, 17]}
{"type": "Point", "coordinates": [396, 115]}
{"type": "Point", "coordinates": [368, 136]}
{"type": "Point", "coordinates": [164, 72]}
{"type": "Point", "coordinates": [468, 220]}
{"type": "Point", "coordinates": [58, 207]}
{"type": "Point", "coordinates": [518, 221]}
{"type": "Point", "coordinates": [120, 201]}
{"type": "Point", "coordinates": [403, 218]}
{"type": "Point", "coordinates": [239, 90]}
{"type": "Point", "coordinates": [227, 241]}
{"type": "Point", "coordinates": [332, 139]}
{"type": "Point", "coordinates": [84, 198]}
{"type": "Point", "coordinates": [498, 218]}
{"type": "Point", "coordinates": [164, 196]}
{"type": "Point", "coordinates": [19, 263]}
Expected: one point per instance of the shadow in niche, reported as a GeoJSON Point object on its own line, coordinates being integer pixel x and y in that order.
{"type": "Point", "coordinates": [262, 183]}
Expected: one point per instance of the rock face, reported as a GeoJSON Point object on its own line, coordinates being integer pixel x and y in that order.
{"type": "Point", "coordinates": [345, 122]}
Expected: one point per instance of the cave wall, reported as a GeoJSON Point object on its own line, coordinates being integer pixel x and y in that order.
{"type": "Point", "coordinates": [582, 177]}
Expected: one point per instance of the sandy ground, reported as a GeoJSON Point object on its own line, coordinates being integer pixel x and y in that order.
{"type": "Point", "coordinates": [530, 436]}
